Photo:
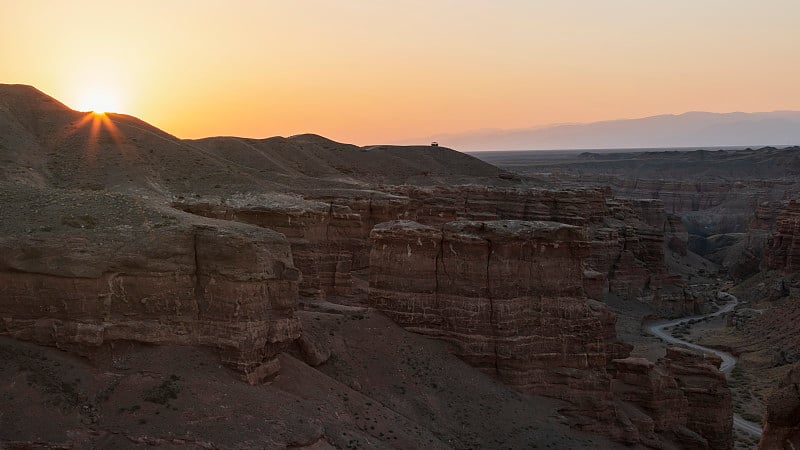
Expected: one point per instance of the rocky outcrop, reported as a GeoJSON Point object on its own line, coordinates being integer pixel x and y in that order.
{"type": "Point", "coordinates": [628, 249]}
{"type": "Point", "coordinates": [782, 422]}
{"type": "Point", "coordinates": [676, 235]}
{"type": "Point", "coordinates": [727, 200]}
{"type": "Point", "coordinates": [507, 294]}
{"type": "Point", "coordinates": [329, 231]}
{"type": "Point", "coordinates": [654, 390]}
{"type": "Point", "coordinates": [627, 235]}
{"type": "Point", "coordinates": [710, 411]}
{"type": "Point", "coordinates": [681, 196]}
{"type": "Point", "coordinates": [707, 207]}
{"type": "Point", "coordinates": [783, 249]}
{"type": "Point", "coordinates": [231, 287]}
{"type": "Point", "coordinates": [682, 398]}
{"type": "Point", "coordinates": [444, 204]}
{"type": "Point", "coordinates": [509, 297]}
{"type": "Point", "coordinates": [765, 215]}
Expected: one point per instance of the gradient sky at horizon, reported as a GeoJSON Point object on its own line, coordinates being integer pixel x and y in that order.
{"type": "Point", "coordinates": [382, 71]}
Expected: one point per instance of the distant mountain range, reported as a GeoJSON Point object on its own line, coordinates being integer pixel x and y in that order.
{"type": "Point", "coordinates": [691, 129]}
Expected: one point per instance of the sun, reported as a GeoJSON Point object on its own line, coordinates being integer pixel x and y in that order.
{"type": "Point", "coordinates": [99, 100]}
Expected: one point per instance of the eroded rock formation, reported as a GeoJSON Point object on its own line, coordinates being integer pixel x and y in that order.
{"type": "Point", "coordinates": [628, 248]}
{"type": "Point", "coordinates": [507, 294]}
{"type": "Point", "coordinates": [783, 249]}
{"type": "Point", "coordinates": [94, 251]}
{"type": "Point", "coordinates": [329, 231]}
{"type": "Point", "coordinates": [227, 286]}
{"type": "Point", "coordinates": [651, 399]}
{"type": "Point", "coordinates": [710, 411]}
{"type": "Point", "coordinates": [782, 422]}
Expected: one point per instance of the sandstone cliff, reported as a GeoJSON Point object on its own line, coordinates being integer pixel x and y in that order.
{"type": "Point", "coordinates": [507, 294]}
{"type": "Point", "coordinates": [709, 412]}
{"type": "Point", "coordinates": [726, 200]}
{"type": "Point", "coordinates": [509, 297]}
{"type": "Point", "coordinates": [112, 230]}
{"type": "Point", "coordinates": [783, 249]}
{"type": "Point", "coordinates": [682, 398]}
{"type": "Point", "coordinates": [113, 271]}
{"type": "Point", "coordinates": [628, 249]}
{"type": "Point", "coordinates": [329, 231]}
{"type": "Point", "coordinates": [782, 422]}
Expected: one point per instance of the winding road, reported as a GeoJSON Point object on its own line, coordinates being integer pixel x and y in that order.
{"type": "Point", "coordinates": [658, 330]}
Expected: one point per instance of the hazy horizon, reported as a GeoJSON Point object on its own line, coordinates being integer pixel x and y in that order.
{"type": "Point", "coordinates": [689, 130]}
{"type": "Point", "coordinates": [380, 71]}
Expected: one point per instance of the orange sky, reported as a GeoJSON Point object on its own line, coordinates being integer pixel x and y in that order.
{"type": "Point", "coordinates": [378, 71]}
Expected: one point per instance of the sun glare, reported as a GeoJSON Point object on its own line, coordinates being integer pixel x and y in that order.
{"type": "Point", "coordinates": [99, 101]}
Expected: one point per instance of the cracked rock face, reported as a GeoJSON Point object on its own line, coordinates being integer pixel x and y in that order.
{"type": "Point", "coordinates": [227, 286]}
{"type": "Point", "coordinates": [329, 231]}
{"type": "Point", "coordinates": [710, 409]}
{"type": "Point", "coordinates": [782, 422]}
{"type": "Point", "coordinates": [783, 249]}
{"type": "Point", "coordinates": [507, 294]}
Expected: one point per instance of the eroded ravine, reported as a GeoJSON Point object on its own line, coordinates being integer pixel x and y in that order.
{"type": "Point", "coordinates": [658, 330]}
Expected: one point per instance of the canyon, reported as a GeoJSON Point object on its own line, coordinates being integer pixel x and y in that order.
{"type": "Point", "coordinates": [413, 293]}
{"type": "Point", "coordinates": [738, 212]}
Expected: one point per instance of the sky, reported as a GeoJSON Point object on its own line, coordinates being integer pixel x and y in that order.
{"type": "Point", "coordinates": [383, 71]}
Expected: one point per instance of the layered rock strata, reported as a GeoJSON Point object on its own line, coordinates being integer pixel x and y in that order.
{"type": "Point", "coordinates": [710, 409]}
{"type": "Point", "coordinates": [707, 207]}
{"type": "Point", "coordinates": [629, 250]}
{"type": "Point", "coordinates": [507, 294]}
{"type": "Point", "coordinates": [329, 231]}
{"type": "Point", "coordinates": [509, 297]}
{"type": "Point", "coordinates": [227, 286]}
{"type": "Point", "coordinates": [650, 398]}
{"type": "Point", "coordinates": [783, 249]}
{"type": "Point", "coordinates": [436, 205]}
{"type": "Point", "coordinates": [782, 422]}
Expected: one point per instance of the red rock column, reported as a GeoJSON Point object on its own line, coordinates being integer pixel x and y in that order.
{"type": "Point", "coordinates": [710, 412]}
{"type": "Point", "coordinates": [782, 422]}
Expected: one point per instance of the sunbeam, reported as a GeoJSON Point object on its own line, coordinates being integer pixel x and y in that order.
{"type": "Point", "coordinates": [98, 123]}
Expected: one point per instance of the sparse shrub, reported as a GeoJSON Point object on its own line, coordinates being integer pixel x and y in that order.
{"type": "Point", "coordinates": [166, 391]}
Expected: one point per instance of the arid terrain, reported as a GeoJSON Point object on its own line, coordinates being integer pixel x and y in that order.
{"type": "Point", "coordinates": [302, 293]}
{"type": "Point", "coordinates": [740, 212]}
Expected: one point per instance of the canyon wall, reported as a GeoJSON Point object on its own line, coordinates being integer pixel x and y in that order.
{"type": "Point", "coordinates": [226, 286]}
{"type": "Point", "coordinates": [509, 296]}
{"type": "Point", "coordinates": [783, 248]}
{"type": "Point", "coordinates": [707, 207]}
{"type": "Point", "coordinates": [683, 397]}
{"type": "Point", "coordinates": [710, 409]}
{"type": "Point", "coordinates": [329, 231]}
{"type": "Point", "coordinates": [782, 421]}
{"type": "Point", "coordinates": [629, 249]}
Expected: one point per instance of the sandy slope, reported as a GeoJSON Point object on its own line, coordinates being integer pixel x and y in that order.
{"type": "Point", "coordinates": [394, 390]}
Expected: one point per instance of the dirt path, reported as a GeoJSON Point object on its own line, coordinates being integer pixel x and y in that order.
{"type": "Point", "coordinates": [658, 330]}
